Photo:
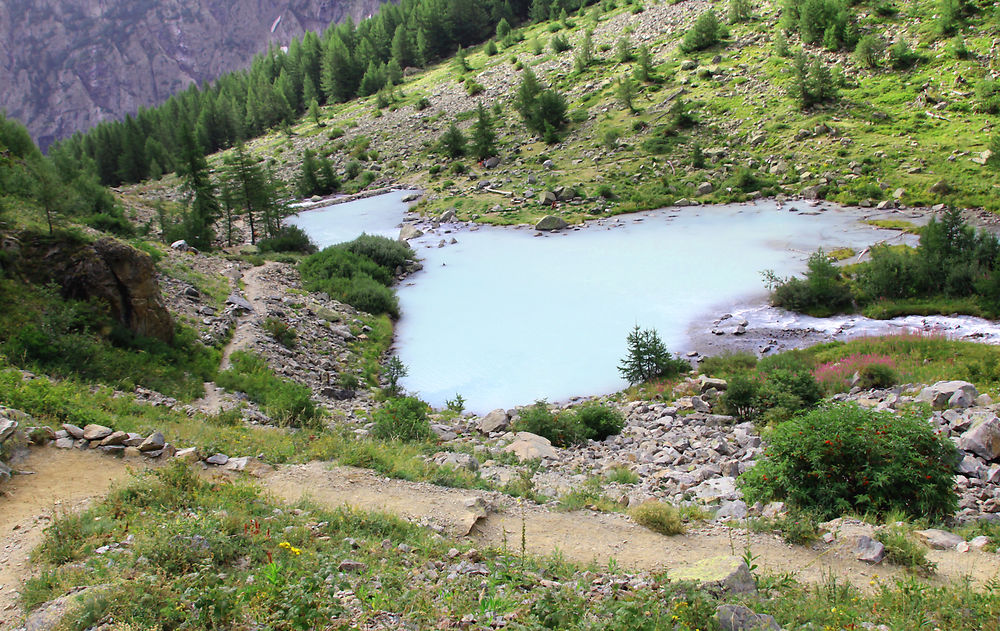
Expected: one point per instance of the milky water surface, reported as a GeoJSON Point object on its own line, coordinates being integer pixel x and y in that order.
{"type": "Point", "coordinates": [505, 317]}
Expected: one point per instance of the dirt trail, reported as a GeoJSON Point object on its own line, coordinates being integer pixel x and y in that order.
{"type": "Point", "coordinates": [583, 536]}
{"type": "Point", "coordinates": [61, 481]}
{"type": "Point", "coordinates": [243, 333]}
{"type": "Point", "coordinates": [68, 480]}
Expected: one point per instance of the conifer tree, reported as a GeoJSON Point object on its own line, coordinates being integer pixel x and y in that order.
{"type": "Point", "coordinates": [453, 142]}
{"type": "Point", "coordinates": [484, 136]}
{"type": "Point", "coordinates": [204, 207]}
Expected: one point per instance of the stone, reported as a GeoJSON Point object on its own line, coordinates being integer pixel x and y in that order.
{"type": "Point", "coordinates": [238, 301]}
{"type": "Point", "coordinates": [940, 188]}
{"type": "Point", "coordinates": [528, 446]}
{"type": "Point", "coordinates": [248, 465]}
{"type": "Point", "coordinates": [217, 459]}
{"type": "Point", "coordinates": [898, 193]}
{"type": "Point", "coordinates": [73, 430]}
{"type": "Point", "coordinates": [448, 215]}
{"type": "Point", "coordinates": [707, 383]}
{"type": "Point", "coordinates": [731, 510]}
{"type": "Point", "coordinates": [351, 567]}
{"type": "Point", "coordinates": [705, 188]}
{"type": "Point", "coordinates": [409, 231]}
{"type": "Point", "coordinates": [181, 245]}
{"type": "Point", "coordinates": [189, 455]}
{"type": "Point", "coordinates": [983, 157]}
{"type": "Point", "coordinates": [716, 489]}
{"type": "Point", "coordinates": [718, 575]}
{"type": "Point", "coordinates": [113, 439]}
{"type": "Point", "coordinates": [154, 442]}
{"type": "Point", "coordinates": [700, 405]}
{"type": "Point", "coordinates": [689, 64]}
{"type": "Point", "coordinates": [455, 459]}
{"type": "Point", "coordinates": [939, 394]}
{"type": "Point", "coordinates": [65, 443]}
{"type": "Point", "coordinates": [495, 421]}
{"type": "Point", "coordinates": [983, 439]}
{"type": "Point", "coordinates": [979, 543]}
{"type": "Point", "coordinates": [869, 550]}
{"type": "Point", "coordinates": [773, 509]}
{"type": "Point", "coordinates": [742, 618]}
{"type": "Point", "coordinates": [812, 192]}
{"type": "Point", "coordinates": [410, 197]}
{"type": "Point", "coordinates": [491, 162]}
{"type": "Point", "coordinates": [96, 432]}
{"type": "Point", "coordinates": [7, 428]}
{"type": "Point", "coordinates": [40, 435]}
{"type": "Point", "coordinates": [550, 223]}
{"type": "Point", "coordinates": [134, 440]}
{"type": "Point", "coordinates": [48, 615]}
{"type": "Point", "coordinates": [939, 539]}
{"type": "Point", "coordinates": [122, 277]}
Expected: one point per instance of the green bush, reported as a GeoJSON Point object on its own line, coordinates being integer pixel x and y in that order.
{"type": "Point", "coordinates": [403, 419]}
{"type": "Point", "coordinates": [562, 430]}
{"type": "Point", "coordinates": [659, 517]}
{"type": "Point", "coordinates": [877, 376]}
{"type": "Point", "coordinates": [288, 239]}
{"type": "Point", "coordinates": [384, 251]}
{"type": "Point", "coordinates": [601, 421]}
{"type": "Point", "coordinates": [115, 224]}
{"type": "Point", "coordinates": [280, 331]}
{"type": "Point", "coordinates": [358, 272]}
{"type": "Point", "coordinates": [705, 33]}
{"type": "Point", "coordinates": [843, 458]}
{"type": "Point", "coordinates": [821, 293]}
{"type": "Point", "coordinates": [369, 295]}
{"type": "Point", "coordinates": [869, 51]}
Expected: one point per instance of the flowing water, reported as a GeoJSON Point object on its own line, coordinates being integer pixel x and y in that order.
{"type": "Point", "coordinates": [505, 316]}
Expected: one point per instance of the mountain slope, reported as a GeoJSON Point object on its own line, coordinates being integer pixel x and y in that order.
{"type": "Point", "coordinates": [69, 65]}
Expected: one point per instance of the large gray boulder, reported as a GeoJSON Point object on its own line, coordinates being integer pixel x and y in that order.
{"type": "Point", "coordinates": [528, 446]}
{"type": "Point", "coordinates": [409, 231]}
{"type": "Point", "coordinates": [7, 428]}
{"type": "Point", "coordinates": [949, 394]}
{"type": "Point", "coordinates": [550, 222]}
{"type": "Point", "coordinates": [869, 550]}
{"type": "Point", "coordinates": [983, 439]}
{"type": "Point", "coordinates": [718, 575]}
{"type": "Point", "coordinates": [742, 618]}
{"type": "Point", "coordinates": [495, 421]}
{"type": "Point", "coordinates": [939, 539]}
{"type": "Point", "coordinates": [96, 432]}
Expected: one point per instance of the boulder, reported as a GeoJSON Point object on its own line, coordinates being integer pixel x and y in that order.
{"type": "Point", "coordinates": [550, 222]}
{"type": "Point", "coordinates": [154, 442]}
{"type": "Point", "coordinates": [5, 472]}
{"type": "Point", "coordinates": [410, 197]}
{"type": "Point", "coordinates": [96, 432]}
{"type": "Point", "coordinates": [547, 198]}
{"type": "Point", "coordinates": [113, 439]}
{"type": "Point", "coordinates": [528, 446]}
{"type": "Point", "coordinates": [869, 550]}
{"type": "Point", "coordinates": [495, 421]}
{"type": "Point", "coordinates": [731, 510]}
{"type": "Point", "coordinates": [983, 439]}
{"type": "Point", "coordinates": [939, 539]}
{"type": "Point", "coordinates": [443, 432]}
{"type": "Point", "coordinates": [409, 231]}
{"type": "Point", "coordinates": [941, 393]}
{"type": "Point", "coordinates": [455, 459]}
{"type": "Point", "coordinates": [718, 575]}
{"type": "Point", "coordinates": [742, 618]}
{"type": "Point", "coordinates": [7, 428]}
{"type": "Point", "coordinates": [705, 188]}
{"type": "Point", "coordinates": [351, 567]}
{"type": "Point", "coordinates": [72, 430]}
{"type": "Point", "coordinates": [122, 277]}
{"type": "Point", "coordinates": [238, 301]}
{"type": "Point", "coordinates": [65, 443]}
{"type": "Point", "coordinates": [707, 383]}
{"type": "Point", "coordinates": [491, 162]}
{"type": "Point", "coordinates": [448, 215]}
{"type": "Point", "coordinates": [189, 455]}
{"type": "Point", "coordinates": [812, 192]}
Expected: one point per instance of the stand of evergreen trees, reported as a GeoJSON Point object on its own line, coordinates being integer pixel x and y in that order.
{"type": "Point", "coordinates": [346, 61]}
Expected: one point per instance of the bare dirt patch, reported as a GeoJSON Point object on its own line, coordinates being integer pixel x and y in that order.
{"type": "Point", "coordinates": [60, 482]}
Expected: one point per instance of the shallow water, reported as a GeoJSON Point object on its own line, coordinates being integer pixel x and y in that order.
{"type": "Point", "coordinates": [337, 223]}
{"type": "Point", "coordinates": [505, 317]}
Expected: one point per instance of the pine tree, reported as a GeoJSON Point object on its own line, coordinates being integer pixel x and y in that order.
{"type": "Point", "coordinates": [204, 207]}
{"type": "Point", "coordinates": [626, 93]}
{"type": "Point", "coordinates": [644, 65]}
{"type": "Point", "coordinates": [402, 51]}
{"type": "Point", "coordinates": [484, 136]}
{"type": "Point", "coordinates": [453, 142]}
{"type": "Point", "coordinates": [314, 113]}
{"type": "Point", "coordinates": [647, 357]}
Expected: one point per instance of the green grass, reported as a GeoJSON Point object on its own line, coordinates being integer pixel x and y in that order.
{"type": "Point", "coordinates": [902, 550]}
{"type": "Point", "coordinates": [660, 517]}
{"type": "Point", "coordinates": [286, 402]}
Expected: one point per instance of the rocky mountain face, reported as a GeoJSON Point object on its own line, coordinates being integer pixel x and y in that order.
{"type": "Point", "coordinates": [66, 65]}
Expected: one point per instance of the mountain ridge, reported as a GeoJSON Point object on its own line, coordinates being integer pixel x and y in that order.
{"type": "Point", "coordinates": [69, 66]}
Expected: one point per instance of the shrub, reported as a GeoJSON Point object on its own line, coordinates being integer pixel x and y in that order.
{"type": "Point", "coordinates": [869, 51]}
{"type": "Point", "coordinates": [115, 224]}
{"type": "Point", "coordinates": [821, 293]}
{"type": "Point", "coordinates": [383, 251]}
{"type": "Point", "coordinates": [705, 33]}
{"type": "Point", "coordinates": [648, 358]}
{"type": "Point", "coordinates": [601, 421]}
{"type": "Point", "coordinates": [877, 376]}
{"type": "Point", "coordinates": [402, 419]}
{"type": "Point", "coordinates": [876, 371]}
{"type": "Point", "coordinates": [728, 363]}
{"type": "Point", "coordinates": [280, 331]}
{"type": "Point", "coordinates": [370, 296]}
{"type": "Point", "coordinates": [739, 11]}
{"type": "Point", "coordinates": [988, 95]}
{"type": "Point", "coordinates": [559, 44]}
{"type": "Point", "coordinates": [843, 458]}
{"type": "Point", "coordinates": [288, 239]}
{"type": "Point", "coordinates": [812, 82]}
{"type": "Point", "coordinates": [901, 56]}
{"type": "Point", "coordinates": [562, 430]}
{"type": "Point", "coordinates": [901, 550]}
{"type": "Point", "coordinates": [659, 517]}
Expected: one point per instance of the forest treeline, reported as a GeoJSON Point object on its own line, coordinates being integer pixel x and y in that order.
{"type": "Point", "coordinates": [348, 60]}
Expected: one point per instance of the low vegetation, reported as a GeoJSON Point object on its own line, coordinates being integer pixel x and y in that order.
{"type": "Point", "coordinates": [569, 427]}
{"type": "Point", "coordinates": [286, 402]}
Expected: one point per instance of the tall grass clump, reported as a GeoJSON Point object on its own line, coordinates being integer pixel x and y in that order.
{"type": "Point", "coordinates": [287, 402]}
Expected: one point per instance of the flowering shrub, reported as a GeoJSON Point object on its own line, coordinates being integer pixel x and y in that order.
{"type": "Point", "coordinates": [876, 371]}
{"type": "Point", "coordinates": [842, 458]}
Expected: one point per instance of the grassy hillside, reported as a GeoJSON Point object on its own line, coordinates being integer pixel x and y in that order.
{"type": "Point", "coordinates": [905, 126]}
